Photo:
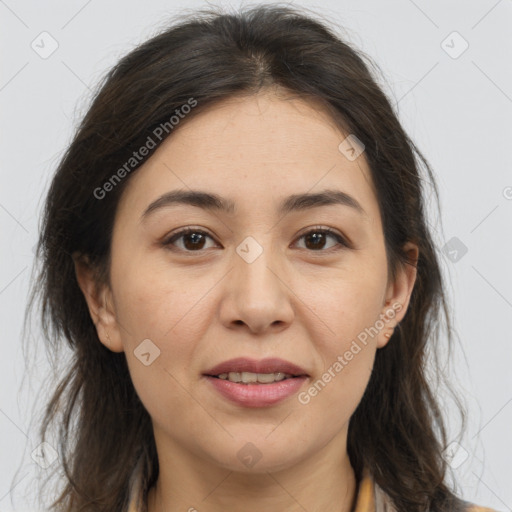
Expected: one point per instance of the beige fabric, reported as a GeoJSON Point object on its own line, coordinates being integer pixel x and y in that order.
{"type": "Point", "coordinates": [382, 500]}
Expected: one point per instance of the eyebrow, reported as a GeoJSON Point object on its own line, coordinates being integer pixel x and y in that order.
{"type": "Point", "coordinates": [213, 202]}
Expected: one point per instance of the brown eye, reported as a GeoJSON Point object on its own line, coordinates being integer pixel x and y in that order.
{"type": "Point", "coordinates": [316, 239]}
{"type": "Point", "coordinates": [193, 239]}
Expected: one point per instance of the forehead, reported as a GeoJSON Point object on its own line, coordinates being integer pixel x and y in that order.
{"type": "Point", "coordinates": [254, 150]}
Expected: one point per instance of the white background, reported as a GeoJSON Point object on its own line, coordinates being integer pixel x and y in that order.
{"type": "Point", "coordinates": [458, 111]}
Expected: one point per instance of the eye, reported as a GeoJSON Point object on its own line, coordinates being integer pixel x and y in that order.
{"type": "Point", "coordinates": [315, 239]}
{"type": "Point", "coordinates": [193, 239]}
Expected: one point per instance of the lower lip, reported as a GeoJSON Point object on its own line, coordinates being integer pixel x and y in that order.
{"type": "Point", "coordinates": [257, 395]}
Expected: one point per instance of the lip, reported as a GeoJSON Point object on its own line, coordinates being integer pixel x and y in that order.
{"type": "Point", "coordinates": [257, 395]}
{"type": "Point", "coordinates": [245, 364]}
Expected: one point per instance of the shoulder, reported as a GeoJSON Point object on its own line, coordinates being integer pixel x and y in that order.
{"type": "Point", "coordinates": [371, 497]}
{"type": "Point", "coordinates": [475, 508]}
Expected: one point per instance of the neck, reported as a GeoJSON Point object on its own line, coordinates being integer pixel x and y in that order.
{"type": "Point", "coordinates": [322, 482]}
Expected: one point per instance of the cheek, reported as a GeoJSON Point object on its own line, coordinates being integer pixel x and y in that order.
{"type": "Point", "coordinates": [332, 397]}
{"type": "Point", "coordinates": [154, 304]}
{"type": "Point", "coordinates": [346, 320]}
{"type": "Point", "coordinates": [154, 301]}
{"type": "Point", "coordinates": [159, 315]}
{"type": "Point", "coordinates": [345, 303]}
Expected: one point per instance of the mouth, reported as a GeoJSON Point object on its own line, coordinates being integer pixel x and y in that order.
{"type": "Point", "coordinates": [255, 378]}
{"type": "Point", "coordinates": [255, 394]}
{"type": "Point", "coordinates": [244, 370]}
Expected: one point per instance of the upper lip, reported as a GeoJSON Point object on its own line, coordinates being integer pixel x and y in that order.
{"type": "Point", "coordinates": [244, 364]}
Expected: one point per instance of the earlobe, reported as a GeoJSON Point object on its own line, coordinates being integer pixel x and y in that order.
{"type": "Point", "coordinates": [97, 298]}
{"type": "Point", "coordinates": [109, 335]}
{"type": "Point", "coordinates": [386, 334]}
{"type": "Point", "coordinates": [107, 328]}
{"type": "Point", "coordinates": [399, 294]}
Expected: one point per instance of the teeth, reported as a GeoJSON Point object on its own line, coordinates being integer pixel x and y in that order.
{"type": "Point", "coordinates": [248, 377]}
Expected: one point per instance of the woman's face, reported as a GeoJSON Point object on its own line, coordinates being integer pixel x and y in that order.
{"type": "Point", "coordinates": [249, 281]}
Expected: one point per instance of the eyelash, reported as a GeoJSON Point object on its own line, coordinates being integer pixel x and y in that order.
{"type": "Point", "coordinates": [169, 241]}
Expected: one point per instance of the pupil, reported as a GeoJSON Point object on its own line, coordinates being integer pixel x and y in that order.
{"type": "Point", "coordinates": [318, 238]}
{"type": "Point", "coordinates": [197, 238]}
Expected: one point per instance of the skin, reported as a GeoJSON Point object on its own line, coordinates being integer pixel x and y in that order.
{"type": "Point", "coordinates": [295, 301]}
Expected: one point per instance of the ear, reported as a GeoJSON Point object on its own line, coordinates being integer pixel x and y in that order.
{"type": "Point", "coordinates": [398, 293]}
{"type": "Point", "coordinates": [99, 301]}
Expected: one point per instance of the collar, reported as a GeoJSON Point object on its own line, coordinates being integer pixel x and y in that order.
{"type": "Point", "coordinates": [365, 496]}
{"type": "Point", "coordinates": [370, 497]}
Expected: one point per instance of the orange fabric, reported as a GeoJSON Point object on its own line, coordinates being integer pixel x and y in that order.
{"type": "Point", "coordinates": [365, 497]}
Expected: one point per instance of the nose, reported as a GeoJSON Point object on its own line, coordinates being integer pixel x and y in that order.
{"type": "Point", "coordinates": [256, 295]}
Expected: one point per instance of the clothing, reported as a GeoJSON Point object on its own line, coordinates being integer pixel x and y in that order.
{"type": "Point", "coordinates": [370, 498]}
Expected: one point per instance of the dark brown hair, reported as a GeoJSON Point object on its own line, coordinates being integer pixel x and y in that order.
{"type": "Point", "coordinates": [397, 431]}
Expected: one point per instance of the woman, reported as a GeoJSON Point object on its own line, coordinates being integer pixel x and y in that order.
{"type": "Point", "coordinates": [235, 248]}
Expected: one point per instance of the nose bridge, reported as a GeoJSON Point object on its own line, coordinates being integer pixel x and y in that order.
{"type": "Point", "coordinates": [256, 294]}
{"type": "Point", "coordinates": [259, 295]}
{"type": "Point", "coordinates": [255, 263]}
